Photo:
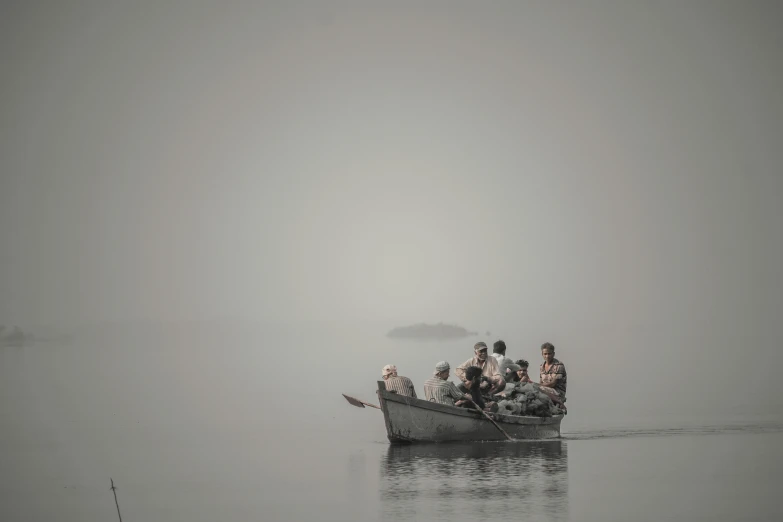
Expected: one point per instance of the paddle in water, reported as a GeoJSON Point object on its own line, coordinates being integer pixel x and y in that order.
{"type": "Point", "coordinates": [490, 419]}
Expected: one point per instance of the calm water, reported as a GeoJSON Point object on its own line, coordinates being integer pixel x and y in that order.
{"type": "Point", "coordinates": [227, 424]}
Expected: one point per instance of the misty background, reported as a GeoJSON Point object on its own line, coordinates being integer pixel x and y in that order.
{"type": "Point", "coordinates": [605, 176]}
{"type": "Point", "coordinates": [212, 213]}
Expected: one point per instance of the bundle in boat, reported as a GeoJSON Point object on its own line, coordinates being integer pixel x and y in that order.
{"type": "Point", "coordinates": [527, 400]}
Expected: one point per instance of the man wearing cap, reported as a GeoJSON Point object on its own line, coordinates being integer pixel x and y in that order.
{"type": "Point", "coordinates": [488, 365]}
{"type": "Point", "coordinates": [396, 383]}
{"type": "Point", "coordinates": [439, 389]}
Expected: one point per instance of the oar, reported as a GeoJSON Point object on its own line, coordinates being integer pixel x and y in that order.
{"type": "Point", "coordinates": [360, 404]}
{"type": "Point", "coordinates": [490, 419]}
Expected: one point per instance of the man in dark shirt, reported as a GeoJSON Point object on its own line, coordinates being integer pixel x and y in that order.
{"type": "Point", "coordinates": [472, 386]}
{"type": "Point", "coordinates": [552, 372]}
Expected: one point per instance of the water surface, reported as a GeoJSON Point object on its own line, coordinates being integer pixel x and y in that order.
{"type": "Point", "coordinates": [232, 425]}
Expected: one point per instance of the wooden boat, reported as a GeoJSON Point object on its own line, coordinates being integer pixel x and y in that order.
{"type": "Point", "coordinates": [417, 420]}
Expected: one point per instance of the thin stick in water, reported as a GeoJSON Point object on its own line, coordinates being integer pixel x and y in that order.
{"type": "Point", "coordinates": [114, 490]}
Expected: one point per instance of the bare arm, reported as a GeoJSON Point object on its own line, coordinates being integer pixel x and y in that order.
{"type": "Point", "coordinates": [498, 382]}
{"type": "Point", "coordinates": [555, 378]}
{"type": "Point", "coordinates": [494, 369]}
{"type": "Point", "coordinates": [460, 371]}
{"type": "Point", "coordinates": [455, 394]}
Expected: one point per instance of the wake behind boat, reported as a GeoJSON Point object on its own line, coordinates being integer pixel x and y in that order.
{"type": "Point", "coordinates": [410, 419]}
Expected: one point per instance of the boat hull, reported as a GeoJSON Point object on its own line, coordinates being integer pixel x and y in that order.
{"type": "Point", "coordinates": [416, 420]}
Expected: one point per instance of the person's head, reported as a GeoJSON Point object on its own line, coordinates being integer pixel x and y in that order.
{"type": "Point", "coordinates": [499, 347]}
{"type": "Point", "coordinates": [472, 376]}
{"type": "Point", "coordinates": [548, 352]}
{"type": "Point", "coordinates": [480, 349]}
{"type": "Point", "coordinates": [523, 366]}
{"type": "Point", "coordinates": [389, 371]}
{"type": "Point", "coordinates": [511, 373]}
{"type": "Point", "coordinates": [442, 370]}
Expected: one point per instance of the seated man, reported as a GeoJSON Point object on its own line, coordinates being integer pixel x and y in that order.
{"type": "Point", "coordinates": [396, 383]}
{"type": "Point", "coordinates": [553, 373]}
{"type": "Point", "coordinates": [487, 365]}
{"type": "Point", "coordinates": [499, 353]}
{"type": "Point", "coordinates": [439, 389]}
{"type": "Point", "coordinates": [522, 375]}
{"type": "Point", "coordinates": [472, 387]}
{"type": "Point", "coordinates": [512, 381]}
{"type": "Point", "coordinates": [511, 374]}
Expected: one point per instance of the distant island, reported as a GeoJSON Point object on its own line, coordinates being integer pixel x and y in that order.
{"type": "Point", "coordinates": [430, 331]}
{"type": "Point", "coordinates": [14, 336]}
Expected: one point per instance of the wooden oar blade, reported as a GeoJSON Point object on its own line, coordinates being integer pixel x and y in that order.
{"type": "Point", "coordinates": [355, 402]}
{"type": "Point", "coordinates": [360, 404]}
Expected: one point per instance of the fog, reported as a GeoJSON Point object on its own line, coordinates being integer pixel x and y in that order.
{"type": "Point", "coordinates": [602, 175]}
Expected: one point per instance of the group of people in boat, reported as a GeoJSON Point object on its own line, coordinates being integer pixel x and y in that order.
{"type": "Point", "coordinates": [483, 378]}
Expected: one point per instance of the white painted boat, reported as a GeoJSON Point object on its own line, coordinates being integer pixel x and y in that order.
{"type": "Point", "coordinates": [417, 420]}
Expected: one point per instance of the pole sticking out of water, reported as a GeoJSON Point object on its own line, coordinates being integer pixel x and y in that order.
{"type": "Point", "coordinates": [114, 490]}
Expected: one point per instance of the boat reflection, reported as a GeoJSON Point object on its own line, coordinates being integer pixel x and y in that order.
{"type": "Point", "coordinates": [472, 481]}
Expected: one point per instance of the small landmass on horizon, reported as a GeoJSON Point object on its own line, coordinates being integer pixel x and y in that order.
{"type": "Point", "coordinates": [430, 331]}
{"type": "Point", "coordinates": [14, 336]}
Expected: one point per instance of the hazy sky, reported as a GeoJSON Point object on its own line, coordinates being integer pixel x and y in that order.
{"type": "Point", "coordinates": [594, 162]}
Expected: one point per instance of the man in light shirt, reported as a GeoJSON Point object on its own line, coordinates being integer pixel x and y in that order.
{"type": "Point", "coordinates": [488, 365]}
{"type": "Point", "coordinates": [499, 353]}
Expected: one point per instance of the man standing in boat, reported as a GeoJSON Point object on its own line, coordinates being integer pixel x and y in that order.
{"type": "Point", "coordinates": [440, 389]}
{"type": "Point", "coordinates": [552, 372]}
{"type": "Point", "coordinates": [396, 383]}
{"type": "Point", "coordinates": [488, 365]}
